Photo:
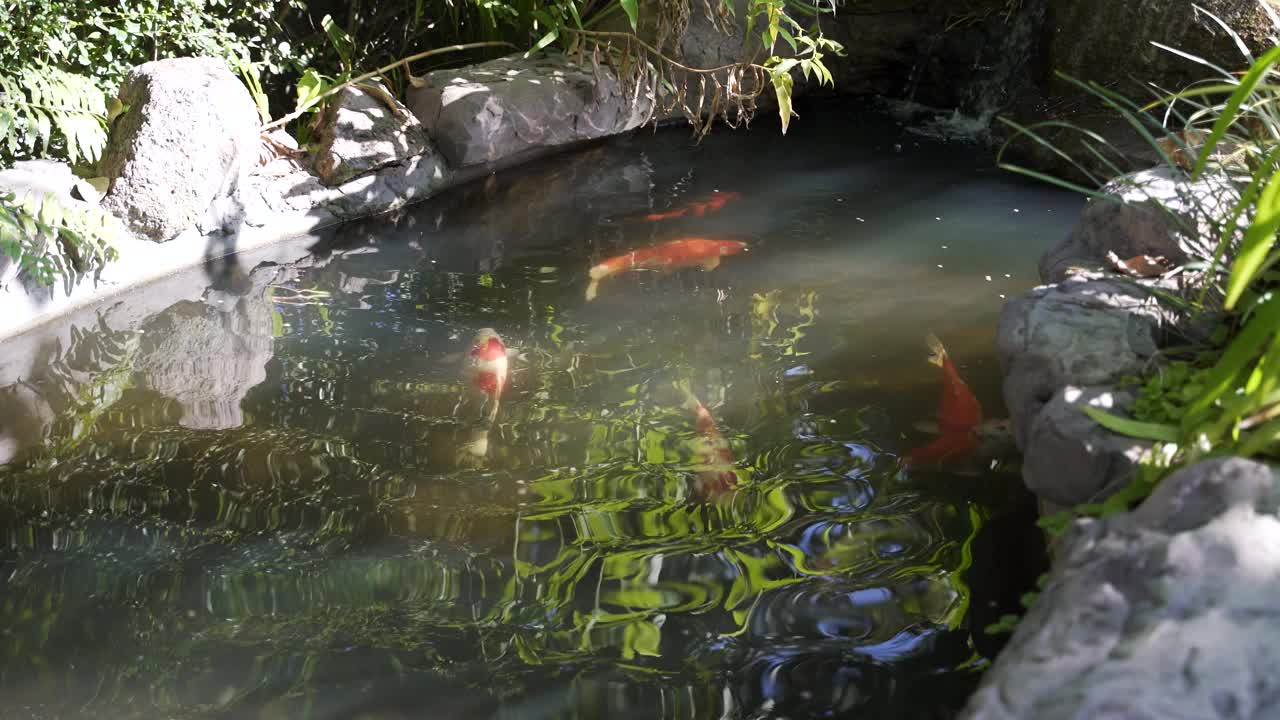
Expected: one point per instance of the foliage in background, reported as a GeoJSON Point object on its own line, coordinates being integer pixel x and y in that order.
{"type": "Point", "coordinates": [61, 60]}
{"type": "Point", "coordinates": [58, 63]}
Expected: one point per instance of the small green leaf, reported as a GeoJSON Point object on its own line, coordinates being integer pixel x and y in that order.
{"type": "Point", "coordinates": [1006, 624]}
{"type": "Point", "coordinates": [340, 40]}
{"type": "Point", "coordinates": [782, 88]}
{"type": "Point", "coordinates": [791, 39]}
{"type": "Point", "coordinates": [632, 11]}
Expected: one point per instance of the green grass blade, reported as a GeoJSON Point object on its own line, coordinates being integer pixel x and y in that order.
{"type": "Point", "coordinates": [1231, 110]}
{"type": "Point", "coordinates": [1235, 360]}
{"type": "Point", "coordinates": [1133, 428]}
{"type": "Point", "coordinates": [1258, 241]}
{"type": "Point", "coordinates": [1247, 198]}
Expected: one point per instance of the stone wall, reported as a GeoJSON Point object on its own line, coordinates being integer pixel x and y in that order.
{"type": "Point", "coordinates": [191, 180]}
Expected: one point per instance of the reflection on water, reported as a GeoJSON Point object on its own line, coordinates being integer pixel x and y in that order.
{"type": "Point", "coordinates": [249, 502]}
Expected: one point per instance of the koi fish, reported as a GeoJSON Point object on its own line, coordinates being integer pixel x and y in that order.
{"type": "Point", "coordinates": [668, 256]}
{"type": "Point", "coordinates": [696, 209]}
{"type": "Point", "coordinates": [484, 374]}
{"type": "Point", "coordinates": [715, 460]}
{"type": "Point", "coordinates": [959, 416]}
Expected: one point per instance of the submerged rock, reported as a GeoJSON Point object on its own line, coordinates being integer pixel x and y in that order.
{"type": "Point", "coordinates": [1165, 612]}
{"type": "Point", "coordinates": [1152, 212]}
{"type": "Point", "coordinates": [185, 142]}
{"type": "Point", "coordinates": [362, 131]}
{"type": "Point", "coordinates": [510, 108]}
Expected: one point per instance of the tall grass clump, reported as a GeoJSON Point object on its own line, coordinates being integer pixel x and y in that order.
{"type": "Point", "coordinates": [1220, 396]}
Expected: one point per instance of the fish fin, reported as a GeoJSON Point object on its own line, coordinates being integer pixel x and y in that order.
{"type": "Point", "coordinates": [937, 353]}
{"type": "Point", "coordinates": [711, 263]}
{"type": "Point", "coordinates": [591, 289]}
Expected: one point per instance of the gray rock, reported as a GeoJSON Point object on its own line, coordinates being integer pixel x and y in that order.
{"type": "Point", "coordinates": [185, 143]}
{"type": "Point", "coordinates": [1167, 612]}
{"type": "Point", "coordinates": [46, 177]}
{"type": "Point", "coordinates": [360, 132]}
{"type": "Point", "coordinates": [390, 188]}
{"type": "Point", "coordinates": [1068, 458]}
{"type": "Point", "coordinates": [1155, 212]}
{"type": "Point", "coordinates": [1081, 333]}
{"type": "Point", "coordinates": [510, 108]}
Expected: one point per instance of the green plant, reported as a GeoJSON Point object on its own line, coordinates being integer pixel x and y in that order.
{"type": "Point", "coordinates": [1222, 397]}
{"type": "Point", "coordinates": [102, 40]}
{"type": "Point", "coordinates": [46, 111]}
{"type": "Point", "coordinates": [48, 240]}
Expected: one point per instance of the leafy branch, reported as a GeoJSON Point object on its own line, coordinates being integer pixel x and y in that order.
{"type": "Point", "coordinates": [44, 109]}
{"type": "Point", "coordinates": [48, 240]}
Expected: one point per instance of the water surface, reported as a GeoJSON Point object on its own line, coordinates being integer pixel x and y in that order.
{"type": "Point", "coordinates": [239, 493]}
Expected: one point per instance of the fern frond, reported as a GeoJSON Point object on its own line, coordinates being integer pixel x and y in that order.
{"type": "Point", "coordinates": [44, 108]}
{"type": "Point", "coordinates": [49, 240]}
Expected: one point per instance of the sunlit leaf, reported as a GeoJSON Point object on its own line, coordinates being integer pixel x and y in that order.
{"type": "Point", "coordinates": [632, 10]}
{"type": "Point", "coordinates": [1258, 241]}
{"type": "Point", "coordinates": [1132, 428]}
{"type": "Point", "coordinates": [782, 88]}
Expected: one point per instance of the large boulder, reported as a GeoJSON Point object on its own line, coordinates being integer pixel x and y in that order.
{"type": "Point", "coordinates": [1081, 333]}
{"type": "Point", "coordinates": [1151, 212]}
{"type": "Point", "coordinates": [1068, 458]}
{"type": "Point", "coordinates": [185, 142]}
{"type": "Point", "coordinates": [363, 131]}
{"type": "Point", "coordinates": [509, 108]}
{"type": "Point", "coordinates": [1166, 612]}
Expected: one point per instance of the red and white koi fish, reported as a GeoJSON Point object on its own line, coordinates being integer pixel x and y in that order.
{"type": "Point", "coordinates": [959, 416]}
{"type": "Point", "coordinates": [716, 473]}
{"type": "Point", "coordinates": [716, 201]}
{"type": "Point", "coordinates": [668, 256]}
{"type": "Point", "coordinates": [484, 373]}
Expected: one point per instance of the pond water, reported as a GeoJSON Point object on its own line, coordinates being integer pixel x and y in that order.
{"type": "Point", "coordinates": [245, 492]}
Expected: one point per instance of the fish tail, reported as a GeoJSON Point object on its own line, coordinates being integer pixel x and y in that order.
{"type": "Point", "coordinates": [592, 287]}
{"type": "Point", "coordinates": [937, 353]}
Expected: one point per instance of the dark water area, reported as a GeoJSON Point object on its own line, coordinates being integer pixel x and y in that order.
{"type": "Point", "coordinates": [245, 492]}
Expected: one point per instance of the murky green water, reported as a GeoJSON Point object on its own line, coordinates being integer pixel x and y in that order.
{"type": "Point", "coordinates": [239, 493]}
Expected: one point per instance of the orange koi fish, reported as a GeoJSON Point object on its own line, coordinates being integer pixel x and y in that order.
{"type": "Point", "coordinates": [959, 416]}
{"type": "Point", "coordinates": [697, 209]}
{"type": "Point", "coordinates": [483, 377]}
{"type": "Point", "coordinates": [715, 460]}
{"type": "Point", "coordinates": [666, 257]}
{"type": "Point", "coordinates": [484, 373]}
